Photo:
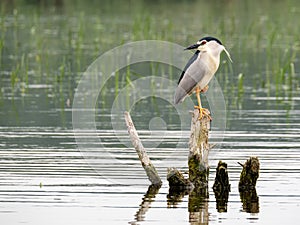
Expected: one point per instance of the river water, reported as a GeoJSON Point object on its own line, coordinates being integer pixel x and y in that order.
{"type": "Point", "coordinates": [47, 178]}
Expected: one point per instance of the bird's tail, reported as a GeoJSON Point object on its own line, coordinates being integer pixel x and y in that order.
{"type": "Point", "coordinates": [180, 95]}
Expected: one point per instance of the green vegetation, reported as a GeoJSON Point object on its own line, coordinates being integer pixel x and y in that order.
{"type": "Point", "coordinates": [46, 43]}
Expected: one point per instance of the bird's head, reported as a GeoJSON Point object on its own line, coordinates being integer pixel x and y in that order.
{"type": "Point", "coordinates": [210, 44]}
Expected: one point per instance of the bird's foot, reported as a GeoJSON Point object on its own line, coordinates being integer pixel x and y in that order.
{"type": "Point", "coordinates": [203, 112]}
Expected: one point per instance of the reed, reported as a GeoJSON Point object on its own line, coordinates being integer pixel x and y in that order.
{"type": "Point", "coordinates": [36, 43]}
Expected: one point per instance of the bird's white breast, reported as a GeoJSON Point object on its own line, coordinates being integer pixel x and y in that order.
{"type": "Point", "coordinates": [207, 64]}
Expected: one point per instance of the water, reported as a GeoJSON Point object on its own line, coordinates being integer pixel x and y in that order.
{"type": "Point", "coordinates": [42, 182]}
{"type": "Point", "coordinates": [44, 177]}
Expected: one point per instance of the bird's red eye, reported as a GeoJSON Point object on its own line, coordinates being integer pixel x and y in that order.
{"type": "Point", "coordinates": [203, 42]}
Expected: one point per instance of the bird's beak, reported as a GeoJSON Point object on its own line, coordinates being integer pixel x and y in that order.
{"type": "Point", "coordinates": [192, 47]}
{"type": "Point", "coordinates": [227, 53]}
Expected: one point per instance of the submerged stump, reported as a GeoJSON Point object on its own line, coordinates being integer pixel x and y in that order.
{"type": "Point", "coordinates": [248, 179]}
{"type": "Point", "coordinates": [179, 186]}
{"type": "Point", "coordinates": [221, 180]}
{"type": "Point", "coordinates": [249, 174]}
{"type": "Point", "coordinates": [221, 187]}
{"type": "Point", "coordinates": [177, 180]}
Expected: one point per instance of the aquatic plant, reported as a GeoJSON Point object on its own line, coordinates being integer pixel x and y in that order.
{"type": "Point", "coordinates": [35, 43]}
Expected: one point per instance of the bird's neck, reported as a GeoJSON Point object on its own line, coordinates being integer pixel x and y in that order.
{"type": "Point", "coordinates": [214, 54]}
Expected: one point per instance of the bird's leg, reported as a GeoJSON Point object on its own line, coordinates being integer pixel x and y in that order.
{"type": "Point", "coordinates": [198, 97]}
{"type": "Point", "coordinates": [199, 106]}
{"type": "Point", "coordinates": [202, 111]}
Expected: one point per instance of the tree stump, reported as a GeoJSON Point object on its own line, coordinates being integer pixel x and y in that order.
{"type": "Point", "coordinates": [177, 180]}
{"type": "Point", "coordinates": [248, 179]}
{"type": "Point", "coordinates": [199, 149]}
{"type": "Point", "coordinates": [221, 180]}
{"type": "Point", "coordinates": [221, 187]}
{"type": "Point", "coordinates": [249, 174]}
{"type": "Point", "coordinates": [198, 156]}
{"type": "Point", "coordinates": [199, 169]}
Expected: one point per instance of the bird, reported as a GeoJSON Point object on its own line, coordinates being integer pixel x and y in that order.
{"type": "Point", "coordinates": [199, 70]}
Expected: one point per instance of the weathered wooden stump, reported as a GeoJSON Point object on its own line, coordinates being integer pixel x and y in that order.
{"type": "Point", "coordinates": [179, 186]}
{"type": "Point", "coordinates": [198, 156]}
{"type": "Point", "coordinates": [249, 174]}
{"type": "Point", "coordinates": [248, 179]}
{"type": "Point", "coordinates": [177, 180]}
{"type": "Point", "coordinates": [199, 149]}
{"type": "Point", "coordinates": [221, 180]}
{"type": "Point", "coordinates": [197, 183]}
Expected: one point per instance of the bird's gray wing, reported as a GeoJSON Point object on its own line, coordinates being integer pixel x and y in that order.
{"type": "Point", "coordinates": [193, 74]}
{"type": "Point", "coordinates": [194, 57]}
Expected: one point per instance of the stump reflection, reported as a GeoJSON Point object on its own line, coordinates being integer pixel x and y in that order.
{"type": "Point", "coordinates": [198, 206]}
{"type": "Point", "coordinates": [146, 203]}
{"type": "Point", "coordinates": [250, 201]}
{"type": "Point", "coordinates": [175, 196]}
{"type": "Point", "coordinates": [221, 200]}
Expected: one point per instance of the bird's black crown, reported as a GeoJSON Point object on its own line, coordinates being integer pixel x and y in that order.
{"type": "Point", "coordinates": [211, 39]}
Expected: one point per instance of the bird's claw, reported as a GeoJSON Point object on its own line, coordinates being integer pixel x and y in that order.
{"type": "Point", "coordinates": [203, 112]}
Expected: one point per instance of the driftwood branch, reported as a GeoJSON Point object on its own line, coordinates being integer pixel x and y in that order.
{"type": "Point", "coordinates": [140, 150]}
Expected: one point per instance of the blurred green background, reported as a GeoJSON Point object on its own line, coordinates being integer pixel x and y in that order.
{"type": "Point", "coordinates": [45, 46]}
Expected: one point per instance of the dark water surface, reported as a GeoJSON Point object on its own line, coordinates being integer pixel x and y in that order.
{"type": "Point", "coordinates": [44, 177]}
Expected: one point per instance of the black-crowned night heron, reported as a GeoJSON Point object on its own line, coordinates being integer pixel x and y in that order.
{"type": "Point", "coordinates": [199, 70]}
